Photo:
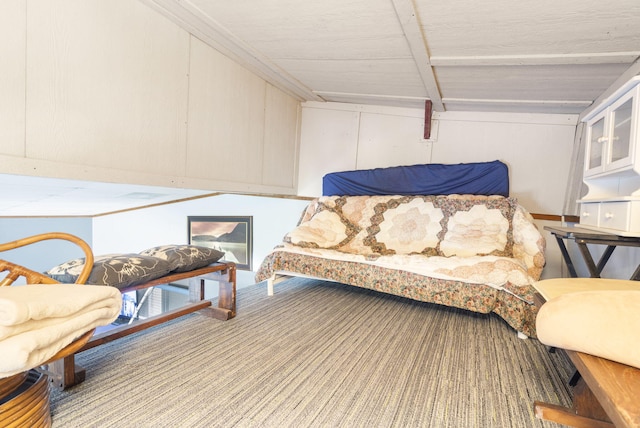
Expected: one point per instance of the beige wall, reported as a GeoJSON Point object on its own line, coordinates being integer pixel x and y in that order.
{"type": "Point", "coordinates": [109, 90]}
{"type": "Point", "coordinates": [537, 149]}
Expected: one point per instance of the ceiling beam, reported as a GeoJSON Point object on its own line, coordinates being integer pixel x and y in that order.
{"type": "Point", "coordinates": [511, 101]}
{"type": "Point", "coordinates": [373, 97]}
{"type": "Point", "coordinates": [543, 59]}
{"type": "Point", "coordinates": [207, 29]}
{"type": "Point", "coordinates": [408, 18]}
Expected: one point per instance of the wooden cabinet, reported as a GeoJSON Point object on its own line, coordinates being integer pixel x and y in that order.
{"type": "Point", "coordinates": [612, 163]}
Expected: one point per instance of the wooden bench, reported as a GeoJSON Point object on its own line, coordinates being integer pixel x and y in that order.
{"type": "Point", "coordinates": [606, 394]}
{"type": "Point", "coordinates": [65, 373]}
{"type": "Point", "coordinates": [62, 369]}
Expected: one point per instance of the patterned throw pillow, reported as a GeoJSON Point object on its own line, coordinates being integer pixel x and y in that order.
{"type": "Point", "coordinates": [323, 230]}
{"type": "Point", "coordinates": [117, 270]}
{"type": "Point", "coordinates": [477, 225]}
{"type": "Point", "coordinates": [183, 258]}
{"type": "Point", "coordinates": [432, 225]}
{"type": "Point", "coordinates": [327, 228]}
{"type": "Point", "coordinates": [405, 225]}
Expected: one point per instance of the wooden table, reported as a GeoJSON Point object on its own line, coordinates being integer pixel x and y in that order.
{"type": "Point", "coordinates": [582, 237]}
{"type": "Point", "coordinates": [606, 393]}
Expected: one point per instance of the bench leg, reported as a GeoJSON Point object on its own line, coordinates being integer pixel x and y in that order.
{"type": "Point", "coordinates": [64, 373]}
{"type": "Point", "coordinates": [227, 293]}
{"type": "Point", "coordinates": [226, 302]}
{"type": "Point", "coordinates": [226, 297]}
{"type": "Point", "coordinates": [586, 411]}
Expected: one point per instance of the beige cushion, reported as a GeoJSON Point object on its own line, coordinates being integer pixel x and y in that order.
{"type": "Point", "coordinates": [550, 288]}
{"type": "Point", "coordinates": [604, 323]}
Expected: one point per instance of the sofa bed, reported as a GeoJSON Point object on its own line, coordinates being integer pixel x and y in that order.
{"type": "Point", "coordinates": [445, 234]}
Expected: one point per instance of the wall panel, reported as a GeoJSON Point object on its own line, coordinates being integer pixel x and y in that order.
{"type": "Point", "coordinates": [107, 85]}
{"type": "Point", "coordinates": [12, 76]}
{"type": "Point", "coordinates": [328, 142]}
{"type": "Point", "coordinates": [537, 148]}
{"type": "Point", "coordinates": [538, 154]}
{"type": "Point", "coordinates": [282, 114]}
{"type": "Point", "coordinates": [400, 138]}
{"type": "Point", "coordinates": [113, 91]}
{"type": "Point", "coordinates": [226, 118]}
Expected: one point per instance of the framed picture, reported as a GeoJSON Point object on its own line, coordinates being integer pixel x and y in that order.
{"type": "Point", "coordinates": [232, 235]}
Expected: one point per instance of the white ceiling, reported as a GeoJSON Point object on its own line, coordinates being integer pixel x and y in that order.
{"type": "Point", "coordinates": [544, 56]}
{"type": "Point", "coordinates": [534, 56]}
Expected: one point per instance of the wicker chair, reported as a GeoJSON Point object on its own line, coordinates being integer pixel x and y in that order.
{"type": "Point", "coordinates": [24, 397]}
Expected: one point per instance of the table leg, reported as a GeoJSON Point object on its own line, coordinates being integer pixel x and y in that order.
{"type": "Point", "coordinates": [595, 270]}
{"type": "Point", "coordinates": [586, 255]}
{"type": "Point", "coordinates": [605, 257]}
{"type": "Point", "coordinates": [566, 257]}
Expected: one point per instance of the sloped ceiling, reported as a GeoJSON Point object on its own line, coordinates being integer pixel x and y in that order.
{"type": "Point", "coordinates": [500, 55]}
{"type": "Point", "coordinates": [532, 56]}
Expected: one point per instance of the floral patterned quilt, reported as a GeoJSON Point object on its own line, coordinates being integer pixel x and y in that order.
{"type": "Point", "coordinates": [480, 253]}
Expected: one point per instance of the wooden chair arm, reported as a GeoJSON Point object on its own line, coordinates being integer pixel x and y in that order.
{"type": "Point", "coordinates": [32, 277]}
{"type": "Point", "coordinates": [16, 271]}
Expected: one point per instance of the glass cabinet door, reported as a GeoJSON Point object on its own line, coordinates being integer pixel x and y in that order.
{"type": "Point", "coordinates": [621, 131]}
{"type": "Point", "coordinates": [611, 135]}
{"type": "Point", "coordinates": [595, 146]}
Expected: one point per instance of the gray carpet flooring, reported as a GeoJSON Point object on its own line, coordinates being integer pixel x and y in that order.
{"type": "Point", "coordinates": [318, 354]}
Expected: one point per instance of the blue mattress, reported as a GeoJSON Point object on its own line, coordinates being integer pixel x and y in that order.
{"type": "Point", "coordinates": [480, 178]}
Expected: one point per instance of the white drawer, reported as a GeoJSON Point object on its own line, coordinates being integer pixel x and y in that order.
{"type": "Point", "coordinates": [615, 215]}
{"type": "Point", "coordinates": [589, 213]}
{"type": "Point", "coordinates": [634, 217]}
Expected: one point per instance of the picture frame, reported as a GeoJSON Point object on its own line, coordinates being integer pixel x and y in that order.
{"type": "Point", "coordinates": [232, 235]}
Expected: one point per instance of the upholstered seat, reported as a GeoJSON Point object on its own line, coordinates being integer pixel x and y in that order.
{"type": "Point", "coordinates": [592, 315]}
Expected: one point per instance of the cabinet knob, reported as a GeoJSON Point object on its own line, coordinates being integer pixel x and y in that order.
{"type": "Point", "coordinates": [608, 216]}
{"type": "Point", "coordinates": [585, 214]}
{"type": "Point", "coordinates": [602, 140]}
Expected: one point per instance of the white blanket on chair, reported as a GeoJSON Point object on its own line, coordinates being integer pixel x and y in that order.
{"type": "Point", "coordinates": [21, 303]}
{"type": "Point", "coordinates": [38, 320]}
